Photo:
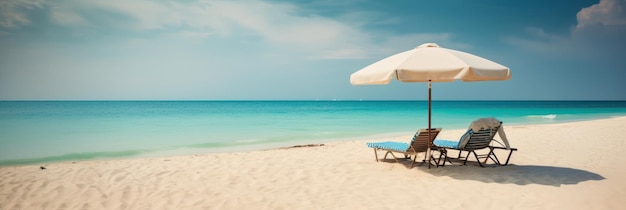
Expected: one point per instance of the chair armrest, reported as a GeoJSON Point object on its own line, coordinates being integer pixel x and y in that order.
{"type": "Point", "coordinates": [504, 148]}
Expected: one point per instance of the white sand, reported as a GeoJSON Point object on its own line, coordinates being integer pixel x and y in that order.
{"type": "Point", "coordinates": [559, 166]}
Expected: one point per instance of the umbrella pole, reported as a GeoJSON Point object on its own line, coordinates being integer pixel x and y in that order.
{"type": "Point", "coordinates": [429, 138]}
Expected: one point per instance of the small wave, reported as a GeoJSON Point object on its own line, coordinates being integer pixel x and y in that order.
{"type": "Point", "coordinates": [547, 116]}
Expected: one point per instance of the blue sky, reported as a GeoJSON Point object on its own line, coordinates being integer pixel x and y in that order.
{"type": "Point", "coordinates": [301, 50]}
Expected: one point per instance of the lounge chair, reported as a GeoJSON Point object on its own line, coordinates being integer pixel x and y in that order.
{"type": "Point", "coordinates": [470, 142]}
{"type": "Point", "coordinates": [419, 143]}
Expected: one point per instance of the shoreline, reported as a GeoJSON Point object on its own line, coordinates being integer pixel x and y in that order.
{"type": "Point", "coordinates": [41, 133]}
{"type": "Point", "coordinates": [141, 154]}
{"type": "Point", "coordinates": [570, 165]}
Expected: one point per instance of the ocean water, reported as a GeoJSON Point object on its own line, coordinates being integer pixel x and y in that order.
{"type": "Point", "coordinates": [33, 132]}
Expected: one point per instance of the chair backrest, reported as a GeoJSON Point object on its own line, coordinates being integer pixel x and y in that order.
{"type": "Point", "coordinates": [481, 139]}
{"type": "Point", "coordinates": [420, 141]}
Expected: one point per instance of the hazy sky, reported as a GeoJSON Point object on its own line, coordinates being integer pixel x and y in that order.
{"type": "Point", "coordinates": [278, 49]}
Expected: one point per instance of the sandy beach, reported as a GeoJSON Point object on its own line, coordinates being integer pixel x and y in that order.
{"type": "Point", "coordinates": [558, 166]}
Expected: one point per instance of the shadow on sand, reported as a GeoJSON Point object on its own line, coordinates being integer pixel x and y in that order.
{"type": "Point", "coordinates": [516, 174]}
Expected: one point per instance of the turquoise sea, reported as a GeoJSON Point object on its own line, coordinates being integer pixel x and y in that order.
{"type": "Point", "coordinates": [33, 132]}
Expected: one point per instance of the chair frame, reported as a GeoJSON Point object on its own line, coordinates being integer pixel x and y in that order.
{"type": "Point", "coordinates": [419, 143]}
{"type": "Point", "coordinates": [478, 141]}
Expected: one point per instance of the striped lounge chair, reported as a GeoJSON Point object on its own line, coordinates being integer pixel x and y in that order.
{"type": "Point", "coordinates": [470, 142]}
{"type": "Point", "coordinates": [419, 143]}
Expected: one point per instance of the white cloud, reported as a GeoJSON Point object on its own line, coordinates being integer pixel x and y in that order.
{"type": "Point", "coordinates": [145, 14]}
{"type": "Point", "coordinates": [600, 31]}
{"type": "Point", "coordinates": [607, 12]}
{"type": "Point", "coordinates": [12, 12]}
{"type": "Point", "coordinates": [65, 16]}
{"type": "Point", "coordinates": [602, 25]}
{"type": "Point", "coordinates": [278, 24]}
{"type": "Point", "coordinates": [284, 26]}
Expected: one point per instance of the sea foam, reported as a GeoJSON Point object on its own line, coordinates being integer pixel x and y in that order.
{"type": "Point", "coordinates": [547, 116]}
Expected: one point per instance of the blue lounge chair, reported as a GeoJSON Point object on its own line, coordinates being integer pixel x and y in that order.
{"type": "Point", "coordinates": [470, 142]}
{"type": "Point", "coordinates": [419, 143]}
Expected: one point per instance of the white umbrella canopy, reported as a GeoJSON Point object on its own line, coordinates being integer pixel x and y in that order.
{"type": "Point", "coordinates": [430, 63]}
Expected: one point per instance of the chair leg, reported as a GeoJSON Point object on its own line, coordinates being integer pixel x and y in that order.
{"type": "Point", "coordinates": [509, 157]}
{"type": "Point", "coordinates": [394, 157]}
{"type": "Point", "coordinates": [477, 159]}
{"type": "Point", "coordinates": [494, 157]}
{"type": "Point", "coordinates": [432, 160]}
{"type": "Point", "coordinates": [437, 161]}
{"type": "Point", "coordinates": [491, 155]}
{"type": "Point", "coordinates": [466, 157]}
{"type": "Point", "coordinates": [376, 154]}
{"type": "Point", "coordinates": [448, 158]}
{"type": "Point", "coordinates": [444, 153]}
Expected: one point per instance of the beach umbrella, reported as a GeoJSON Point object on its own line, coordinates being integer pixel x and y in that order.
{"type": "Point", "coordinates": [430, 63]}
